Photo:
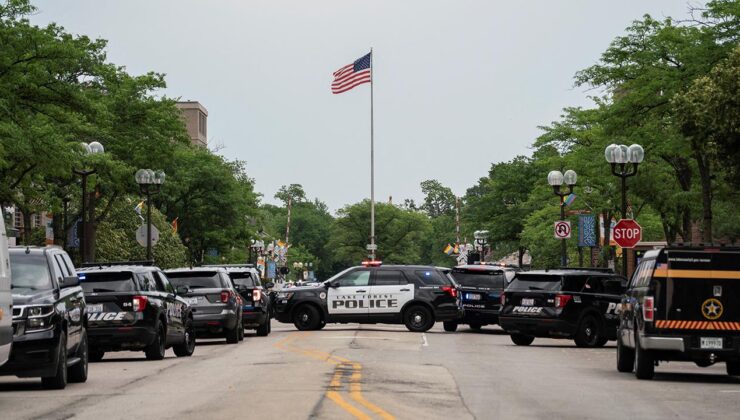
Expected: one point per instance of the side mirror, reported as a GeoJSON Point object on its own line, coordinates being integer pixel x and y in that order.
{"type": "Point", "coordinates": [70, 281]}
{"type": "Point", "coordinates": [182, 290]}
{"type": "Point", "coordinates": [334, 284]}
{"type": "Point", "coordinates": [269, 285]}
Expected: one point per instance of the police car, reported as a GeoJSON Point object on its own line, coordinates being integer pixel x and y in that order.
{"type": "Point", "coordinates": [413, 295]}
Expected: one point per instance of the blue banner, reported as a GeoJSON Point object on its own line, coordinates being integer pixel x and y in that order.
{"type": "Point", "coordinates": [271, 269]}
{"type": "Point", "coordinates": [586, 230]}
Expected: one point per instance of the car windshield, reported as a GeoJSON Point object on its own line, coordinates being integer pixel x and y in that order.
{"type": "Point", "coordinates": [480, 279]}
{"type": "Point", "coordinates": [195, 280]}
{"type": "Point", "coordinates": [29, 273]}
{"type": "Point", "coordinates": [107, 282]}
{"type": "Point", "coordinates": [242, 279]}
{"type": "Point", "coordinates": [535, 282]}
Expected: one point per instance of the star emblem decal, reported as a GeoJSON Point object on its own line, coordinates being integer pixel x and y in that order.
{"type": "Point", "coordinates": [712, 309]}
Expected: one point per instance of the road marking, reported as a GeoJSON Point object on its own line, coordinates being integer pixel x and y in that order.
{"type": "Point", "coordinates": [424, 341]}
{"type": "Point", "coordinates": [730, 391]}
{"type": "Point", "coordinates": [359, 336]}
{"type": "Point", "coordinates": [341, 366]}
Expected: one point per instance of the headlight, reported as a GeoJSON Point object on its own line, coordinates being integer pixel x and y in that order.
{"type": "Point", "coordinates": [39, 311]}
{"type": "Point", "coordinates": [284, 295]}
{"type": "Point", "coordinates": [39, 318]}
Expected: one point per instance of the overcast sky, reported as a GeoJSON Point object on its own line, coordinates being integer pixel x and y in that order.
{"type": "Point", "coordinates": [458, 84]}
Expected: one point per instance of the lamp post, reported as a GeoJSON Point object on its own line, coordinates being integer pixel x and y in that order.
{"type": "Point", "coordinates": [150, 183]}
{"type": "Point", "coordinates": [88, 149]}
{"type": "Point", "coordinates": [481, 238]}
{"type": "Point", "coordinates": [257, 247]}
{"type": "Point", "coordinates": [620, 157]}
{"type": "Point", "coordinates": [557, 179]}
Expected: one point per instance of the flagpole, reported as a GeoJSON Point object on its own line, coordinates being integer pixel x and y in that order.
{"type": "Point", "coordinates": [372, 162]}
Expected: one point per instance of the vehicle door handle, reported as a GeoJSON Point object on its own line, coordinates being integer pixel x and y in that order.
{"type": "Point", "coordinates": [405, 290]}
{"type": "Point", "coordinates": [361, 291]}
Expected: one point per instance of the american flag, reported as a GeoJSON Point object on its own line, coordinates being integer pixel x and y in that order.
{"type": "Point", "coordinates": [352, 75]}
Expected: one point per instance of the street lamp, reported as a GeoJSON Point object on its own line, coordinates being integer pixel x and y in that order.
{"type": "Point", "coordinates": [88, 149]}
{"type": "Point", "coordinates": [556, 179]}
{"type": "Point", "coordinates": [257, 246]}
{"type": "Point", "coordinates": [150, 183]}
{"type": "Point", "coordinates": [619, 157]}
{"type": "Point", "coordinates": [481, 237]}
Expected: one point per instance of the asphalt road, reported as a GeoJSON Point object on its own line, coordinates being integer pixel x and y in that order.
{"type": "Point", "coordinates": [378, 371]}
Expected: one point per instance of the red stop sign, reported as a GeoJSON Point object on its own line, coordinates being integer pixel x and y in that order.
{"type": "Point", "coordinates": [627, 233]}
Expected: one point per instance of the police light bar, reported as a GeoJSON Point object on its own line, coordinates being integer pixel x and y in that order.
{"type": "Point", "coordinates": [372, 263]}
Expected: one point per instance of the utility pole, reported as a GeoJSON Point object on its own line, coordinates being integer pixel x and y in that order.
{"type": "Point", "coordinates": [287, 226]}
{"type": "Point", "coordinates": [457, 221]}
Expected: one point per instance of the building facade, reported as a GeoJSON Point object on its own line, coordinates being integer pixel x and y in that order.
{"type": "Point", "coordinates": [195, 117]}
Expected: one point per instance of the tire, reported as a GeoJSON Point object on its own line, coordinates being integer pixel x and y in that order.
{"type": "Point", "coordinates": [78, 372]}
{"type": "Point", "coordinates": [95, 355]}
{"type": "Point", "coordinates": [733, 368]}
{"type": "Point", "coordinates": [59, 380]}
{"type": "Point", "coordinates": [475, 326]}
{"type": "Point", "coordinates": [418, 318]}
{"type": "Point", "coordinates": [241, 331]}
{"type": "Point", "coordinates": [521, 339]}
{"type": "Point", "coordinates": [187, 347]}
{"type": "Point", "coordinates": [264, 329]}
{"type": "Point", "coordinates": [307, 318]}
{"type": "Point", "coordinates": [625, 357]}
{"type": "Point", "coordinates": [232, 335]}
{"type": "Point", "coordinates": [590, 332]}
{"type": "Point", "coordinates": [321, 326]}
{"type": "Point", "coordinates": [450, 326]}
{"type": "Point", "coordinates": [155, 350]}
{"type": "Point", "coordinates": [644, 362]}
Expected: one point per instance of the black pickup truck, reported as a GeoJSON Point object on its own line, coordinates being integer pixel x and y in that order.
{"type": "Point", "coordinates": [134, 307]}
{"type": "Point", "coordinates": [49, 334]}
{"type": "Point", "coordinates": [682, 304]}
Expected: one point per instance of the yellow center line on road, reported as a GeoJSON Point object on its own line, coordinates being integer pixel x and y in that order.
{"type": "Point", "coordinates": [341, 366]}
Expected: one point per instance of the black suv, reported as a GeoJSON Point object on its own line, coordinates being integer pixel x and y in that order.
{"type": "Point", "coordinates": [134, 307]}
{"type": "Point", "coordinates": [682, 304]}
{"type": "Point", "coordinates": [256, 308]}
{"type": "Point", "coordinates": [417, 296]}
{"type": "Point", "coordinates": [215, 302]}
{"type": "Point", "coordinates": [569, 303]}
{"type": "Point", "coordinates": [480, 286]}
{"type": "Point", "coordinates": [49, 335]}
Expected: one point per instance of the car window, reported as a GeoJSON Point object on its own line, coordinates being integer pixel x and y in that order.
{"type": "Point", "coordinates": [535, 282]}
{"type": "Point", "coordinates": [389, 278]}
{"type": "Point", "coordinates": [146, 282]}
{"type": "Point", "coordinates": [104, 282]}
{"type": "Point", "coordinates": [196, 279]}
{"type": "Point", "coordinates": [243, 278]}
{"type": "Point", "coordinates": [431, 278]}
{"type": "Point", "coordinates": [29, 273]}
{"type": "Point", "coordinates": [163, 285]}
{"type": "Point", "coordinates": [355, 278]}
{"type": "Point", "coordinates": [61, 265]}
{"type": "Point", "coordinates": [613, 285]}
{"type": "Point", "coordinates": [645, 273]}
{"type": "Point", "coordinates": [479, 278]}
{"type": "Point", "coordinates": [593, 285]}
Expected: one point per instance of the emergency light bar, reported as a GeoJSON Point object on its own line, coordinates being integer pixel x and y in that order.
{"type": "Point", "coordinates": [372, 263]}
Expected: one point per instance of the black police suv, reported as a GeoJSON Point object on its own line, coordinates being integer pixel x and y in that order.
{"type": "Point", "coordinates": [480, 287]}
{"type": "Point", "coordinates": [216, 304]}
{"type": "Point", "coordinates": [49, 334]}
{"type": "Point", "coordinates": [568, 303]}
{"type": "Point", "coordinates": [134, 307]}
{"type": "Point", "coordinates": [256, 306]}
{"type": "Point", "coordinates": [416, 296]}
{"type": "Point", "coordinates": [682, 304]}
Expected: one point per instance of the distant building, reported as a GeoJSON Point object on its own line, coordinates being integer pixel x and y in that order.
{"type": "Point", "coordinates": [196, 121]}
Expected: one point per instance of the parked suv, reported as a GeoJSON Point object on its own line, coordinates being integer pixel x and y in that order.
{"type": "Point", "coordinates": [256, 308]}
{"type": "Point", "coordinates": [580, 304]}
{"type": "Point", "coordinates": [682, 304]}
{"type": "Point", "coordinates": [480, 286]}
{"type": "Point", "coordinates": [413, 295]}
{"type": "Point", "coordinates": [134, 307]}
{"type": "Point", "coordinates": [6, 299]}
{"type": "Point", "coordinates": [49, 334]}
{"type": "Point", "coordinates": [216, 305]}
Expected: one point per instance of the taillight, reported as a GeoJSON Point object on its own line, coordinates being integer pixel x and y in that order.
{"type": "Point", "coordinates": [139, 303]}
{"type": "Point", "coordinates": [503, 298]}
{"type": "Point", "coordinates": [450, 290]}
{"type": "Point", "coordinates": [562, 300]}
{"type": "Point", "coordinates": [225, 295]}
{"type": "Point", "coordinates": [648, 309]}
{"type": "Point", "coordinates": [256, 295]}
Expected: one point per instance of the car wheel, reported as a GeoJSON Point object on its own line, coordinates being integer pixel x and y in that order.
{"type": "Point", "coordinates": [307, 318]}
{"type": "Point", "coordinates": [241, 331]}
{"type": "Point", "coordinates": [95, 355]}
{"type": "Point", "coordinates": [521, 339]}
{"type": "Point", "coordinates": [232, 335]}
{"type": "Point", "coordinates": [475, 326]}
{"type": "Point", "coordinates": [589, 333]}
{"type": "Point", "coordinates": [450, 326]}
{"type": "Point", "coordinates": [418, 319]}
{"type": "Point", "coordinates": [264, 329]}
{"type": "Point", "coordinates": [78, 372]}
{"type": "Point", "coordinates": [59, 380]}
{"type": "Point", "coordinates": [644, 363]}
{"type": "Point", "coordinates": [187, 347]}
{"type": "Point", "coordinates": [625, 357]}
{"type": "Point", "coordinates": [733, 368]}
{"type": "Point", "coordinates": [155, 350]}
{"type": "Point", "coordinates": [322, 325]}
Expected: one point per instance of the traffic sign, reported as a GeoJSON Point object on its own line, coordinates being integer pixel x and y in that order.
{"type": "Point", "coordinates": [627, 233]}
{"type": "Point", "coordinates": [562, 229]}
{"type": "Point", "coordinates": [141, 235]}
{"type": "Point", "coordinates": [372, 247]}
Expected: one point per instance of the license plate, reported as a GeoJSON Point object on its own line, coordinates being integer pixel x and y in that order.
{"type": "Point", "coordinates": [95, 308]}
{"type": "Point", "coordinates": [527, 302]}
{"type": "Point", "coordinates": [472, 296]}
{"type": "Point", "coordinates": [192, 301]}
{"type": "Point", "coordinates": [710, 342]}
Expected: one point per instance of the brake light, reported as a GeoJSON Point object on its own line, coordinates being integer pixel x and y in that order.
{"type": "Point", "coordinates": [562, 300]}
{"type": "Point", "coordinates": [450, 290]}
{"type": "Point", "coordinates": [225, 295]}
{"type": "Point", "coordinates": [648, 309]}
{"type": "Point", "coordinates": [503, 298]}
{"type": "Point", "coordinates": [139, 303]}
{"type": "Point", "coordinates": [256, 295]}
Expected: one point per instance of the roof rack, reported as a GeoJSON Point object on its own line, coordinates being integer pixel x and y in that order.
{"type": "Point", "coordinates": [118, 263]}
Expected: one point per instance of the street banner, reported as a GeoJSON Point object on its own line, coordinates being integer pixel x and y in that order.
{"type": "Point", "coordinates": [271, 269]}
{"type": "Point", "coordinates": [586, 230]}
